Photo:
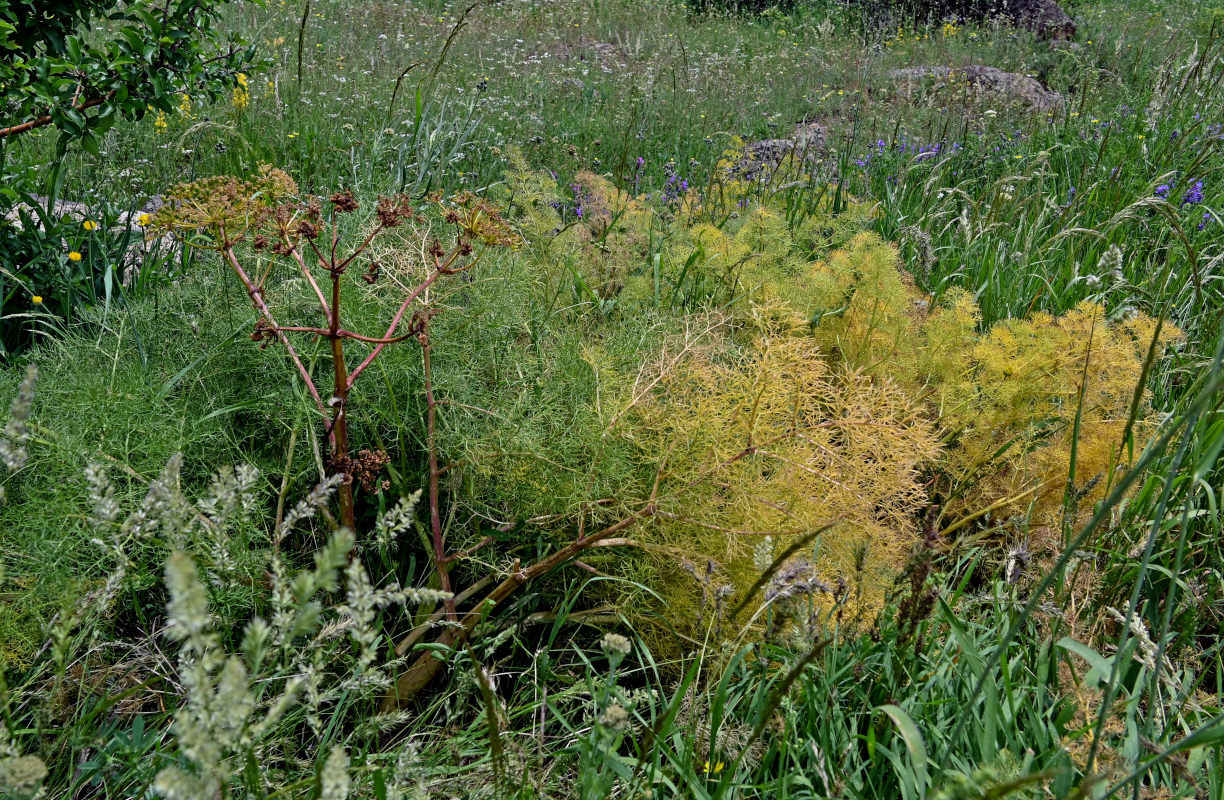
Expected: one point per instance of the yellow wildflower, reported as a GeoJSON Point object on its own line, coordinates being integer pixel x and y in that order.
{"type": "Point", "coordinates": [159, 122]}
{"type": "Point", "coordinates": [716, 767]}
{"type": "Point", "coordinates": [36, 299]}
{"type": "Point", "coordinates": [184, 106]}
{"type": "Point", "coordinates": [242, 95]}
{"type": "Point", "coordinates": [89, 225]}
{"type": "Point", "coordinates": [74, 256]}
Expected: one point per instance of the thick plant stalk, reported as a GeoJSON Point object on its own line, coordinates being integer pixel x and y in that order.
{"type": "Point", "coordinates": [341, 385]}
{"type": "Point", "coordinates": [435, 503]}
{"type": "Point", "coordinates": [426, 667]}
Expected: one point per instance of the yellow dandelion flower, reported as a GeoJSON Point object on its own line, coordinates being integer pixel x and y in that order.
{"type": "Point", "coordinates": [89, 225]}
{"type": "Point", "coordinates": [144, 219]}
{"type": "Point", "coordinates": [36, 299]}
{"type": "Point", "coordinates": [74, 256]}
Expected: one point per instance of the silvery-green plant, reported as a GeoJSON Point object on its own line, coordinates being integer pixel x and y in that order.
{"type": "Point", "coordinates": [21, 776]}
{"type": "Point", "coordinates": [309, 659]}
{"type": "Point", "coordinates": [16, 433]}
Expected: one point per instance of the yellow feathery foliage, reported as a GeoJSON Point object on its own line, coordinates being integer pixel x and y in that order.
{"type": "Point", "coordinates": [865, 307]}
{"type": "Point", "coordinates": [835, 384]}
{"type": "Point", "coordinates": [775, 440]}
{"type": "Point", "coordinates": [1006, 399]}
{"type": "Point", "coordinates": [1029, 380]}
{"type": "Point", "coordinates": [760, 257]}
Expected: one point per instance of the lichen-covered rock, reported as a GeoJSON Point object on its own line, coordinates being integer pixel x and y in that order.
{"type": "Point", "coordinates": [1046, 17]}
{"type": "Point", "coordinates": [764, 156]}
{"type": "Point", "coordinates": [983, 81]}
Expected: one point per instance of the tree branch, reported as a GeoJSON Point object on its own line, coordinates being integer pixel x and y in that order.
{"type": "Point", "coordinates": [45, 119]}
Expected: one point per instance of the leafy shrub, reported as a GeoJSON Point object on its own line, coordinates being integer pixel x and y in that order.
{"type": "Point", "coordinates": [78, 68]}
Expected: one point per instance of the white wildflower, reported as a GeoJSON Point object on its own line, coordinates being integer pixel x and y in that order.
{"type": "Point", "coordinates": [361, 610]}
{"type": "Point", "coordinates": [310, 504]}
{"type": "Point", "coordinates": [20, 776]}
{"type": "Point", "coordinates": [615, 717]}
{"type": "Point", "coordinates": [174, 783]}
{"type": "Point", "coordinates": [188, 606]}
{"type": "Point", "coordinates": [164, 508]}
{"type": "Point", "coordinates": [101, 496]}
{"type": "Point", "coordinates": [762, 554]}
{"type": "Point", "coordinates": [406, 776]}
{"type": "Point", "coordinates": [615, 647]}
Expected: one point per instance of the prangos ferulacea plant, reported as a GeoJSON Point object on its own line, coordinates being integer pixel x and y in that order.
{"type": "Point", "coordinates": [226, 214]}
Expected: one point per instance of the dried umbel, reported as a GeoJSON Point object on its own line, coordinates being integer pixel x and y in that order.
{"type": "Point", "coordinates": [234, 205]}
{"type": "Point", "coordinates": [224, 214]}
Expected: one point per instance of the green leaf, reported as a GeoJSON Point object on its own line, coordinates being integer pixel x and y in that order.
{"type": "Point", "coordinates": [1100, 666]}
{"type": "Point", "coordinates": [913, 742]}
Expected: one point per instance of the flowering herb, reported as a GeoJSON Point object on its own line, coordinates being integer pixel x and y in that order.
{"type": "Point", "coordinates": [1193, 195]}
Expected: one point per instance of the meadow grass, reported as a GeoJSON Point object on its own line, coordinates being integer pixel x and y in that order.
{"type": "Point", "coordinates": [986, 670]}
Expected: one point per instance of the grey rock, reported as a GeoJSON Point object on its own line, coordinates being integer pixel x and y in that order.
{"type": "Point", "coordinates": [983, 82]}
{"type": "Point", "coordinates": [809, 141]}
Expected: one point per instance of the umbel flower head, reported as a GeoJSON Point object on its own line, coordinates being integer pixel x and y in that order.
{"type": "Point", "coordinates": [223, 206]}
{"type": "Point", "coordinates": [615, 647]}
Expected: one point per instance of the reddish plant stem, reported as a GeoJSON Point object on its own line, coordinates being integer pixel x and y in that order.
{"type": "Point", "coordinates": [372, 339]}
{"type": "Point", "coordinates": [342, 334]}
{"type": "Point", "coordinates": [435, 509]}
{"type": "Point", "coordinates": [361, 247]}
{"type": "Point", "coordinates": [340, 446]}
{"type": "Point", "coordinates": [395, 321]}
{"type": "Point", "coordinates": [257, 298]}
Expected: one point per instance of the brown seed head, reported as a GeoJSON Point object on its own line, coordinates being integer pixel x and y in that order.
{"type": "Point", "coordinates": [344, 202]}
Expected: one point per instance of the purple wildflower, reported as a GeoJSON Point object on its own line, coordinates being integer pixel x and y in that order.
{"type": "Point", "coordinates": [1162, 191]}
{"type": "Point", "coordinates": [1194, 195]}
